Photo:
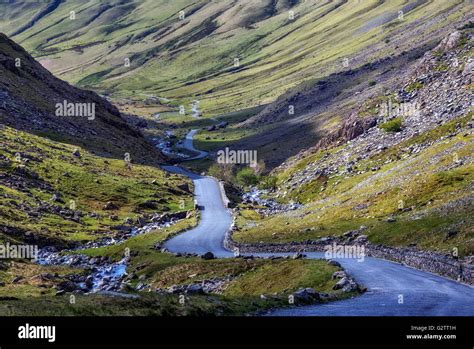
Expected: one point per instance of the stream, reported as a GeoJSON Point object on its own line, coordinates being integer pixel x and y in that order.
{"type": "Point", "coordinates": [105, 275]}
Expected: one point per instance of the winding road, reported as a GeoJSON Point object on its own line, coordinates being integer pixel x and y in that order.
{"type": "Point", "coordinates": [393, 289]}
{"type": "Point", "coordinates": [215, 220]}
{"type": "Point", "coordinates": [188, 145]}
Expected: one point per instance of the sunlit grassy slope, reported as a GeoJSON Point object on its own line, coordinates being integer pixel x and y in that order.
{"type": "Point", "coordinates": [434, 189]}
{"type": "Point", "coordinates": [193, 58]}
{"type": "Point", "coordinates": [33, 169]}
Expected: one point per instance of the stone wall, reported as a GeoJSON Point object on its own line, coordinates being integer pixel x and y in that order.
{"type": "Point", "coordinates": [459, 269]}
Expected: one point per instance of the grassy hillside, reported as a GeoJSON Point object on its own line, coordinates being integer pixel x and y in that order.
{"type": "Point", "coordinates": [435, 191]}
{"type": "Point", "coordinates": [407, 178]}
{"type": "Point", "coordinates": [193, 58]}
{"type": "Point", "coordinates": [59, 192]}
{"type": "Point", "coordinates": [252, 290]}
{"type": "Point", "coordinates": [247, 285]}
{"type": "Point", "coordinates": [29, 95]}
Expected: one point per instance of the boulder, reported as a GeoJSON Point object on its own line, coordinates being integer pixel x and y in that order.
{"type": "Point", "coordinates": [339, 274]}
{"type": "Point", "coordinates": [306, 295]}
{"type": "Point", "coordinates": [341, 283]}
{"type": "Point", "coordinates": [346, 284]}
{"type": "Point", "coordinates": [17, 279]}
{"type": "Point", "coordinates": [208, 256]}
{"type": "Point", "coordinates": [89, 281]}
{"type": "Point", "coordinates": [351, 286]}
{"type": "Point", "coordinates": [361, 239]}
{"type": "Point", "coordinates": [149, 204]}
{"type": "Point", "coordinates": [110, 206]}
{"type": "Point", "coordinates": [57, 198]}
{"type": "Point", "coordinates": [449, 42]}
{"type": "Point", "coordinates": [468, 67]}
{"type": "Point", "coordinates": [67, 286]}
{"type": "Point", "coordinates": [195, 289]}
{"type": "Point", "coordinates": [334, 263]}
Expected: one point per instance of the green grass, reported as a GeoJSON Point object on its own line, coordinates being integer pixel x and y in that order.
{"type": "Point", "coordinates": [332, 211]}
{"type": "Point", "coordinates": [145, 305]}
{"type": "Point", "coordinates": [148, 304]}
{"type": "Point", "coordinates": [163, 269]}
{"type": "Point", "coordinates": [84, 183]}
{"type": "Point", "coordinates": [188, 63]}
{"type": "Point", "coordinates": [31, 286]}
{"type": "Point", "coordinates": [394, 125]}
{"type": "Point", "coordinates": [283, 277]}
{"type": "Point", "coordinates": [414, 86]}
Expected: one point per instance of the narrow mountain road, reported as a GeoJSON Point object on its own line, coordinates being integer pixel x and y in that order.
{"type": "Point", "coordinates": [393, 289]}
{"type": "Point", "coordinates": [215, 220]}
{"type": "Point", "coordinates": [188, 145]}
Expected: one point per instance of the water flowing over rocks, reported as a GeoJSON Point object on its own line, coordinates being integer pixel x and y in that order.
{"type": "Point", "coordinates": [103, 273]}
{"type": "Point", "coordinates": [269, 206]}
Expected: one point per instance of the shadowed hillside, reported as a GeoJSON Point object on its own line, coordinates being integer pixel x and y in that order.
{"type": "Point", "coordinates": [191, 54]}
{"type": "Point", "coordinates": [28, 97]}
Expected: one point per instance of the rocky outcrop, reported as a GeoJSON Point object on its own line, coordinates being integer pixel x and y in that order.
{"type": "Point", "coordinates": [208, 286]}
{"type": "Point", "coordinates": [351, 128]}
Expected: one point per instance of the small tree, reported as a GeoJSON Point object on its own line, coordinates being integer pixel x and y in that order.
{"type": "Point", "coordinates": [246, 177]}
{"type": "Point", "coordinates": [224, 172]}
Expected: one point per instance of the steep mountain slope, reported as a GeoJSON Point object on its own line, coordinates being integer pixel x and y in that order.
{"type": "Point", "coordinates": [318, 108]}
{"type": "Point", "coordinates": [29, 95]}
{"type": "Point", "coordinates": [64, 181]}
{"type": "Point", "coordinates": [406, 175]}
{"type": "Point", "coordinates": [64, 178]}
{"type": "Point", "coordinates": [190, 56]}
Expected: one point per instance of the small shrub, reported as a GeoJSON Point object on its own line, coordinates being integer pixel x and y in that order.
{"type": "Point", "coordinates": [441, 67]}
{"type": "Point", "coordinates": [246, 177]}
{"type": "Point", "coordinates": [394, 125]}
